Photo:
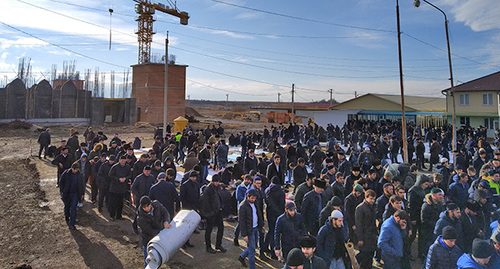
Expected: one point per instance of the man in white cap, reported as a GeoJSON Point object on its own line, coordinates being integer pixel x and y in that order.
{"type": "Point", "coordinates": [331, 241]}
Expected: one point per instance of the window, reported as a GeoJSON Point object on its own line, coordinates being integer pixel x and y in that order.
{"type": "Point", "coordinates": [465, 121]}
{"type": "Point", "coordinates": [489, 123]}
{"type": "Point", "coordinates": [487, 99]}
{"type": "Point", "coordinates": [464, 99]}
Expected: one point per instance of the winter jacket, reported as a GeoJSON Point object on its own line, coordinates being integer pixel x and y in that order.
{"type": "Point", "coordinates": [390, 240]}
{"type": "Point", "coordinates": [65, 184]}
{"type": "Point", "coordinates": [250, 164]}
{"type": "Point", "coordinates": [445, 220]}
{"type": "Point", "coordinates": [245, 218]}
{"type": "Point", "coordinates": [103, 179]}
{"type": "Point", "coordinates": [275, 201]}
{"type": "Point", "coordinates": [241, 191]}
{"type": "Point", "coordinates": [366, 229]}
{"type": "Point", "coordinates": [299, 176]}
{"type": "Point", "coordinates": [153, 222]}
{"type": "Point", "coordinates": [190, 195]}
{"type": "Point", "coordinates": [430, 215]}
{"type": "Point", "coordinates": [467, 262]}
{"type": "Point", "coordinates": [311, 207]}
{"type": "Point", "coordinates": [141, 186]}
{"type": "Point", "coordinates": [288, 231]}
{"type": "Point", "coordinates": [273, 171]}
{"type": "Point", "coordinates": [210, 201]}
{"type": "Point", "coordinates": [416, 196]}
{"type": "Point", "coordinates": [116, 172]}
{"type": "Point", "coordinates": [302, 189]}
{"type": "Point", "coordinates": [44, 138]}
{"type": "Point", "coordinates": [459, 193]}
{"type": "Point", "coordinates": [166, 194]}
{"type": "Point", "coordinates": [326, 240]}
{"type": "Point", "coordinates": [440, 256]}
{"type": "Point", "coordinates": [350, 204]}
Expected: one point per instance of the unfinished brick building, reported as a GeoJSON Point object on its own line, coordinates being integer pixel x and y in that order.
{"type": "Point", "coordinates": [148, 87]}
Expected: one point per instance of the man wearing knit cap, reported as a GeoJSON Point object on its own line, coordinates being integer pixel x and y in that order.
{"type": "Point", "coordinates": [334, 204]}
{"type": "Point", "coordinates": [308, 246]}
{"type": "Point", "coordinates": [390, 240]}
{"type": "Point", "coordinates": [295, 259]}
{"type": "Point", "coordinates": [443, 254]}
{"type": "Point", "coordinates": [312, 205]}
{"type": "Point", "coordinates": [331, 241]}
{"type": "Point", "coordinates": [480, 256]}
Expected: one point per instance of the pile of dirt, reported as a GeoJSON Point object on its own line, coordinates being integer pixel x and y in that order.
{"type": "Point", "coordinates": [16, 124]}
{"type": "Point", "coordinates": [191, 112]}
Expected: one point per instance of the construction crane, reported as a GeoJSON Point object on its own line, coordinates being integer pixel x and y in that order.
{"type": "Point", "coordinates": [145, 9]}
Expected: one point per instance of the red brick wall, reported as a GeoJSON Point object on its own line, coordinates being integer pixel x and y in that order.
{"type": "Point", "coordinates": [148, 82]}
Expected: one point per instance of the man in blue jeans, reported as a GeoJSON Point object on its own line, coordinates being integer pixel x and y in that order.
{"type": "Point", "coordinates": [250, 222]}
{"type": "Point", "coordinates": [72, 188]}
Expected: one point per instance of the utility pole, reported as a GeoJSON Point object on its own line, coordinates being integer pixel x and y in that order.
{"type": "Point", "coordinates": [279, 94]}
{"type": "Point", "coordinates": [331, 96]}
{"type": "Point", "coordinates": [293, 103]}
{"type": "Point", "coordinates": [355, 94]}
{"type": "Point", "coordinates": [227, 97]}
{"type": "Point", "coordinates": [166, 89]}
{"type": "Point", "coordinates": [403, 117]}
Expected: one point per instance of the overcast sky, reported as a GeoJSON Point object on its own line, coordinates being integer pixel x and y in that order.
{"type": "Point", "coordinates": [255, 49]}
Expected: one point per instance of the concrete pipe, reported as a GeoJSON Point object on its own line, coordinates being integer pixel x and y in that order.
{"type": "Point", "coordinates": [163, 246]}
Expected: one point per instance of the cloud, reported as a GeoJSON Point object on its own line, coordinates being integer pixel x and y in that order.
{"type": "Point", "coordinates": [23, 42]}
{"type": "Point", "coordinates": [248, 15]}
{"type": "Point", "coordinates": [479, 15]}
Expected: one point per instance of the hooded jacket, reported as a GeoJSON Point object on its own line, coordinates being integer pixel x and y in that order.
{"type": "Point", "coordinates": [467, 262]}
{"type": "Point", "coordinates": [445, 220]}
{"type": "Point", "coordinates": [430, 215]}
{"type": "Point", "coordinates": [416, 196]}
{"type": "Point", "coordinates": [288, 231]}
{"type": "Point", "coordinates": [326, 240]}
{"type": "Point", "coordinates": [441, 256]}
{"type": "Point", "coordinates": [275, 201]}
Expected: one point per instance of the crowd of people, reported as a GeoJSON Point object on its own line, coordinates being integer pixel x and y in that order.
{"type": "Point", "coordinates": [302, 202]}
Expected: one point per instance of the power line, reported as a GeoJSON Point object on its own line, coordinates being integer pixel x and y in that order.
{"type": "Point", "coordinates": [61, 47]}
{"type": "Point", "coordinates": [304, 19]}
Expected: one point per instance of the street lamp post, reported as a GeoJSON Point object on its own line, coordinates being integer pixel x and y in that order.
{"type": "Point", "coordinates": [403, 117]}
{"type": "Point", "coordinates": [452, 93]}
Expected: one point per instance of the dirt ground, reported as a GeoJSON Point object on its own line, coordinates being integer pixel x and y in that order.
{"type": "Point", "coordinates": [32, 219]}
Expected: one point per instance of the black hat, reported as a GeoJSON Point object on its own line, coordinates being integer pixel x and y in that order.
{"type": "Point", "coordinates": [356, 168]}
{"type": "Point", "coordinates": [112, 157]}
{"type": "Point", "coordinates": [295, 257]}
{"type": "Point", "coordinates": [308, 241]}
{"type": "Point", "coordinates": [290, 205]}
{"type": "Point", "coordinates": [320, 183]}
{"type": "Point", "coordinates": [193, 174]}
{"type": "Point", "coordinates": [276, 180]}
{"type": "Point", "coordinates": [451, 207]}
{"type": "Point", "coordinates": [147, 167]}
{"type": "Point", "coordinates": [145, 200]}
{"type": "Point", "coordinates": [251, 192]}
{"type": "Point", "coordinates": [473, 205]}
{"type": "Point", "coordinates": [449, 233]}
{"type": "Point", "coordinates": [123, 157]}
{"type": "Point", "coordinates": [216, 178]}
{"type": "Point", "coordinates": [336, 201]}
{"type": "Point", "coordinates": [103, 154]}
{"type": "Point", "coordinates": [481, 249]}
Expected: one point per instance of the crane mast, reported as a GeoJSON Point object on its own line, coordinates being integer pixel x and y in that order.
{"type": "Point", "coordinates": [146, 9]}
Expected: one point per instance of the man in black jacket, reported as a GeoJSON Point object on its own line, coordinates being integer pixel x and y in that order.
{"type": "Point", "coordinates": [63, 162]}
{"type": "Point", "coordinates": [311, 207]}
{"type": "Point", "coordinates": [289, 229]}
{"type": "Point", "coordinates": [275, 169]}
{"type": "Point", "coordinates": [250, 162]}
{"type": "Point", "coordinates": [275, 201]}
{"type": "Point", "coordinates": [44, 141]}
{"type": "Point", "coordinates": [119, 176]}
{"type": "Point", "coordinates": [103, 181]}
{"type": "Point", "coordinates": [211, 209]}
{"type": "Point", "coordinates": [72, 188]}
{"type": "Point", "coordinates": [299, 173]}
{"type": "Point", "coordinates": [250, 222]}
{"type": "Point", "coordinates": [152, 217]}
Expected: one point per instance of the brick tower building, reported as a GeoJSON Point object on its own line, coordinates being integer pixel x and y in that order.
{"type": "Point", "coordinates": [148, 87]}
